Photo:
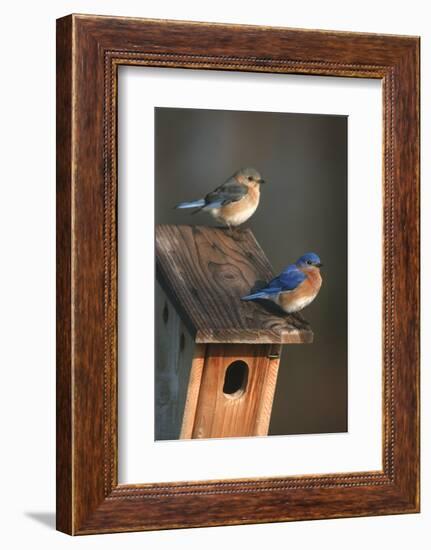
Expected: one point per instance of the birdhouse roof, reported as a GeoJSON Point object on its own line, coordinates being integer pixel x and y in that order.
{"type": "Point", "coordinates": [205, 271]}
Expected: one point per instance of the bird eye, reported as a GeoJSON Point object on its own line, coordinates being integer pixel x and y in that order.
{"type": "Point", "coordinates": [250, 178]}
{"type": "Point", "coordinates": [309, 262]}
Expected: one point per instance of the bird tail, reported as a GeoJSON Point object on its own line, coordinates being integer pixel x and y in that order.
{"type": "Point", "coordinates": [254, 296]}
{"type": "Point", "coordinates": [192, 204]}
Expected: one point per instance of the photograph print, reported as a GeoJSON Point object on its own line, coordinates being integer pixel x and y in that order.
{"type": "Point", "coordinates": [251, 273]}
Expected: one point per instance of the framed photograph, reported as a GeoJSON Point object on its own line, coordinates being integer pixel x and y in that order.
{"type": "Point", "coordinates": [237, 274]}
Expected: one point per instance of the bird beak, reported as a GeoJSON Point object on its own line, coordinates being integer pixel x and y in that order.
{"type": "Point", "coordinates": [319, 265]}
{"type": "Point", "coordinates": [261, 181]}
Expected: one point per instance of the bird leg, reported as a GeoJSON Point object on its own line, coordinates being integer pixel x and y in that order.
{"type": "Point", "coordinates": [230, 230]}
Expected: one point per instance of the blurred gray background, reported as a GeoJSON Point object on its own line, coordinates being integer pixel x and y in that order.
{"type": "Point", "coordinates": [303, 208]}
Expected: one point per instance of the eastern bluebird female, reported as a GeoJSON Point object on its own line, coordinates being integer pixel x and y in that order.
{"type": "Point", "coordinates": [235, 201]}
{"type": "Point", "coordinates": [296, 287]}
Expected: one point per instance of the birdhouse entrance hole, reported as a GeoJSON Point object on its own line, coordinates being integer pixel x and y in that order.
{"type": "Point", "coordinates": [235, 379]}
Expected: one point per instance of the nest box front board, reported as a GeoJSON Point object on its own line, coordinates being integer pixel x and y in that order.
{"type": "Point", "coordinates": [217, 357]}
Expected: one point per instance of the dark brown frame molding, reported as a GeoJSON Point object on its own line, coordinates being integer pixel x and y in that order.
{"type": "Point", "coordinates": [89, 51]}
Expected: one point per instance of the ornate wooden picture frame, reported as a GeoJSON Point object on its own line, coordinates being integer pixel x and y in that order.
{"type": "Point", "coordinates": [89, 51]}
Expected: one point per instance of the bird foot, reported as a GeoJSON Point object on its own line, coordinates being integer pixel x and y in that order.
{"type": "Point", "coordinates": [230, 231]}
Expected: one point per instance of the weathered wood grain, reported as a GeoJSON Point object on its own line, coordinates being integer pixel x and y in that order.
{"type": "Point", "coordinates": [193, 389]}
{"type": "Point", "coordinates": [175, 352]}
{"type": "Point", "coordinates": [207, 270]}
{"type": "Point", "coordinates": [90, 49]}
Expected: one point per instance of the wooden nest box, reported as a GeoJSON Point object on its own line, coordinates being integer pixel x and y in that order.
{"type": "Point", "coordinates": [217, 357]}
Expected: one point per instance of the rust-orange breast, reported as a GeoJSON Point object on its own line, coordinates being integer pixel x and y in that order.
{"type": "Point", "coordinates": [297, 299]}
{"type": "Point", "coordinates": [236, 213]}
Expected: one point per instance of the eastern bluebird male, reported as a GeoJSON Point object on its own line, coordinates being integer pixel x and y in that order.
{"type": "Point", "coordinates": [296, 286]}
{"type": "Point", "coordinates": [233, 202]}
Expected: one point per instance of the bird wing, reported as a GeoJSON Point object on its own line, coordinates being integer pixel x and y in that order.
{"type": "Point", "coordinates": [289, 279]}
{"type": "Point", "coordinates": [230, 191]}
